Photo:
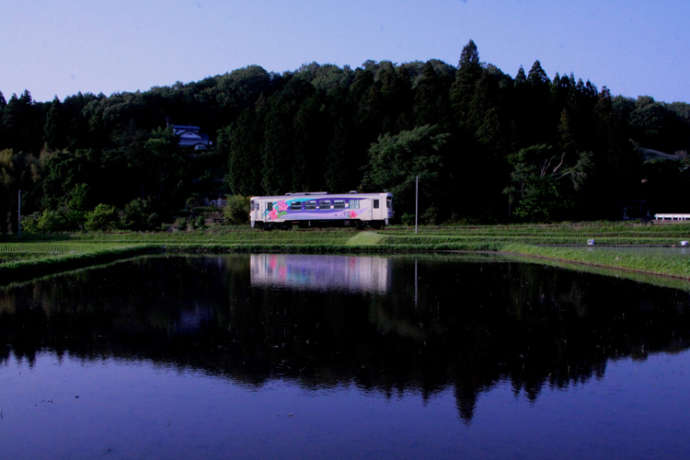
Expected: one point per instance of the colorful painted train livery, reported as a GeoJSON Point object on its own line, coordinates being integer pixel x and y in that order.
{"type": "Point", "coordinates": [321, 208]}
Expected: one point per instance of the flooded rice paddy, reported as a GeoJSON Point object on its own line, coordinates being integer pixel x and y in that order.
{"type": "Point", "coordinates": [302, 356]}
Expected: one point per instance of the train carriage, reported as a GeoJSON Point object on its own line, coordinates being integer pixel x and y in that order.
{"type": "Point", "coordinates": [321, 208]}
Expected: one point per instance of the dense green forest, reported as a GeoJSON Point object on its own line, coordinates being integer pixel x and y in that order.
{"type": "Point", "coordinates": [488, 147]}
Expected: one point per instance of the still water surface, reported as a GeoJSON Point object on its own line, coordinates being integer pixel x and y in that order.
{"type": "Point", "coordinates": [297, 356]}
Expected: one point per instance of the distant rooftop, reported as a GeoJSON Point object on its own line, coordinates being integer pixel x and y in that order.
{"type": "Point", "coordinates": [191, 136]}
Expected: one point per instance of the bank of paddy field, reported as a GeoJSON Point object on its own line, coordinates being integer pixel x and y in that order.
{"type": "Point", "coordinates": [37, 255]}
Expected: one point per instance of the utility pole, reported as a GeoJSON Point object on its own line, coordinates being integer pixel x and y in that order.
{"type": "Point", "coordinates": [19, 213]}
{"type": "Point", "coordinates": [416, 201]}
{"type": "Point", "coordinates": [415, 282]}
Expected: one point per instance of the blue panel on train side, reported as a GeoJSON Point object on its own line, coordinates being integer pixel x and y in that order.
{"type": "Point", "coordinates": [334, 207]}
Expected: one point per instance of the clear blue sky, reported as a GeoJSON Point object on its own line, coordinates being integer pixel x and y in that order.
{"type": "Point", "coordinates": [51, 47]}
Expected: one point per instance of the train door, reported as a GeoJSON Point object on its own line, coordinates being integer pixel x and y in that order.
{"type": "Point", "coordinates": [365, 209]}
{"type": "Point", "coordinates": [377, 207]}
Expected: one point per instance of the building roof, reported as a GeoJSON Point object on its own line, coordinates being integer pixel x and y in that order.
{"type": "Point", "coordinates": [191, 136]}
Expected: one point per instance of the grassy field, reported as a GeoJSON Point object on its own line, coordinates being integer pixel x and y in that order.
{"type": "Point", "coordinates": [672, 265]}
{"type": "Point", "coordinates": [565, 242]}
{"type": "Point", "coordinates": [20, 260]}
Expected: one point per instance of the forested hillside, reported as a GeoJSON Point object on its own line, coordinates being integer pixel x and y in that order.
{"type": "Point", "coordinates": [487, 146]}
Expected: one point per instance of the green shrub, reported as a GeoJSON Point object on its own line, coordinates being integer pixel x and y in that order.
{"type": "Point", "coordinates": [199, 223]}
{"type": "Point", "coordinates": [407, 219]}
{"type": "Point", "coordinates": [30, 223]}
{"type": "Point", "coordinates": [75, 218]}
{"type": "Point", "coordinates": [103, 217]}
{"type": "Point", "coordinates": [52, 220]}
{"type": "Point", "coordinates": [78, 198]}
{"type": "Point", "coordinates": [430, 216]}
{"type": "Point", "coordinates": [236, 210]}
{"type": "Point", "coordinates": [137, 216]}
{"type": "Point", "coordinates": [180, 224]}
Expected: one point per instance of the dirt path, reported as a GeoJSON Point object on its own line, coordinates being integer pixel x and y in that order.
{"type": "Point", "coordinates": [365, 239]}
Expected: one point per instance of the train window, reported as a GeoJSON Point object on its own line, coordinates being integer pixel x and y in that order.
{"type": "Point", "coordinates": [354, 204]}
{"type": "Point", "coordinates": [269, 206]}
{"type": "Point", "coordinates": [338, 204]}
{"type": "Point", "coordinates": [311, 204]}
{"type": "Point", "coordinates": [389, 203]}
{"type": "Point", "coordinates": [376, 204]}
{"type": "Point", "coordinates": [295, 205]}
{"type": "Point", "coordinates": [325, 204]}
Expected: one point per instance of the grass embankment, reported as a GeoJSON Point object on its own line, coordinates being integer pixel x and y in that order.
{"type": "Point", "coordinates": [564, 242]}
{"type": "Point", "coordinates": [676, 266]}
{"type": "Point", "coordinates": [27, 260]}
{"type": "Point", "coordinates": [604, 233]}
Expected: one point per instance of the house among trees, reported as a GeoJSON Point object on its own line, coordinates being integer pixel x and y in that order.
{"type": "Point", "coordinates": [191, 136]}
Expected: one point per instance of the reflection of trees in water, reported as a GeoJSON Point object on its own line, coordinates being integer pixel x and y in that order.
{"type": "Point", "coordinates": [475, 325]}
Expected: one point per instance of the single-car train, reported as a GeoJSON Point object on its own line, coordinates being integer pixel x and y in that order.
{"type": "Point", "coordinates": [321, 208]}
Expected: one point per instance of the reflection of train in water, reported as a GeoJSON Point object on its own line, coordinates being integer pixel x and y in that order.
{"type": "Point", "coordinates": [317, 208]}
{"type": "Point", "coordinates": [321, 273]}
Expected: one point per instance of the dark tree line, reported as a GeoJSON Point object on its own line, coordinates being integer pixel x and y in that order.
{"type": "Point", "coordinates": [487, 146]}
